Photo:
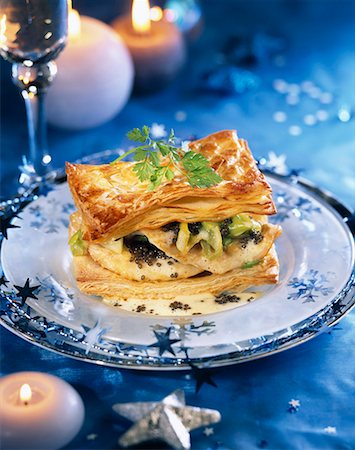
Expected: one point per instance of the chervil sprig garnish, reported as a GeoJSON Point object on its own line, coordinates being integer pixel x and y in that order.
{"type": "Point", "coordinates": [155, 160]}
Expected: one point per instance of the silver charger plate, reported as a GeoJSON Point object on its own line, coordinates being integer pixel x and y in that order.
{"type": "Point", "coordinates": [316, 289]}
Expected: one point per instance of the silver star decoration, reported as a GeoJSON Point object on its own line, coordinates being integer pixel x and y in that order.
{"type": "Point", "coordinates": [208, 431]}
{"type": "Point", "coordinates": [91, 437]}
{"type": "Point", "coordinates": [158, 131]}
{"type": "Point", "coordinates": [169, 420]}
{"type": "Point", "coordinates": [330, 430]}
{"type": "Point", "coordinates": [294, 403]}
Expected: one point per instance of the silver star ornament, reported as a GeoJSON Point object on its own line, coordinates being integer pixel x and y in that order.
{"type": "Point", "coordinates": [170, 420]}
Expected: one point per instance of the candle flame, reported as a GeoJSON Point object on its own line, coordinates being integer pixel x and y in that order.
{"type": "Point", "coordinates": [141, 16]}
{"type": "Point", "coordinates": [74, 25]}
{"type": "Point", "coordinates": [25, 393]}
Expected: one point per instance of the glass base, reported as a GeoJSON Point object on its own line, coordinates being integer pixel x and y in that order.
{"type": "Point", "coordinates": [30, 179]}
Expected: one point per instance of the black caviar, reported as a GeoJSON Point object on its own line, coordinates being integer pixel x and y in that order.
{"type": "Point", "coordinates": [226, 297]}
{"type": "Point", "coordinates": [143, 251]}
{"type": "Point", "coordinates": [252, 235]}
{"type": "Point", "coordinates": [194, 227]}
{"type": "Point", "coordinates": [224, 227]}
{"type": "Point", "coordinates": [172, 226]}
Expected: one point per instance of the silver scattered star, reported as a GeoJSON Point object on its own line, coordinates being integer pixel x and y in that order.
{"type": "Point", "coordinates": [169, 420]}
{"type": "Point", "coordinates": [180, 116]}
{"type": "Point", "coordinates": [208, 431]}
{"type": "Point", "coordinates": [277, 163]}
{"type": "Point", "coordinates": [157, 131]}
{"type": "Point", "coordinates": [330, 430]}
{"type": "Point", "coordinates": [91, 437]}
{"type": "Point", "coordinates": [294, 403]}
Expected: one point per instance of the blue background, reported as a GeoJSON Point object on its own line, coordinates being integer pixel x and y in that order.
{"type": "Point", "coordinates": [252, 398]}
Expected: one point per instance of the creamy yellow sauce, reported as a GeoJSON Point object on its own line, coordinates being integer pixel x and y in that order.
{"type": "Point", "coordinates": [184, 305]}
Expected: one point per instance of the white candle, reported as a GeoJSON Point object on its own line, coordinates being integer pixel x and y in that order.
{"type": "Point", "coordinates": [38, 411]}
{"type": "Point", "coordinates": [157, 48]}
{"type": "Point", "coordinates": [95, 76]}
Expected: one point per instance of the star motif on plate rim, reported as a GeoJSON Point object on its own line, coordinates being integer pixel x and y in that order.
{"type": "Point", "coordinates": [5, 225]}
{"type": "Point", "coordinates": [164, 343]}
{"type": "Point", "coordinates": [26, 291]}
{"type": "Point", "coordinates": [3, 281]}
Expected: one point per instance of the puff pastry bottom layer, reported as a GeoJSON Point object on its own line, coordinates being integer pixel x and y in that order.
{"type": "Point", "coordinates": [95, 280]}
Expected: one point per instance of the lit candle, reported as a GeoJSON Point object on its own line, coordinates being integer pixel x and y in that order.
{"type": "Point", "coordinates": [95, 76]}
{"type": "Point", "coordinates": [157, 47]}
{"type": "Point", "coordinates": [38, 411]}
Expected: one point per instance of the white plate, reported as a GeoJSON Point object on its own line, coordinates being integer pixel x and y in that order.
{"type": "Point", "coordinates": [316, 253]}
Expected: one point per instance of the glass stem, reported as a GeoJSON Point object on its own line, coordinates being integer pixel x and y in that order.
{"type": "Point", "coordinates": [33, 82]}
{"type": "Point", "coordinates": [37, 130]}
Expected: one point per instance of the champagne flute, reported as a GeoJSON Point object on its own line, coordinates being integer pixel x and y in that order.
{"type": "Point", "coordinates": [32, 34]}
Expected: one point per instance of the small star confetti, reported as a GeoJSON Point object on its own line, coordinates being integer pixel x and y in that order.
{"type": "Point", "coordinates": [292, 99]}
{"type": "Point", "coordinates": [164, 343]}
{"type": "Point", "coordinates": [330, 430]}
{"type": "Point", "coordinates": [344, 114]}
{"type": "Point", "coordinates": [26, 291]}
{"type": "Point", "coordinates": [91, 437]}
{"type": "Point", "coordinates": [201, 376]}
{"type": "Point", "coordinates": [280, 86]}
{"type": "Point", "coordinates": [314, 92]}
{"type": "Point", "coordinates": [293, 89]}
{"type": "Point", "coordinates": [295, 130]}
{"type": "Point", "coordinates": [326, 98]}
{"type": "Point", "coordinates": [180, 116]}
{"type": "Point", "coordinates": [277, 163]}
{"type": "Point", "coordinates": [322, 115]}
{"type": "Point", "coordinates": [170, 420]}
{"type": "Point", "coordinates": [208, 431]}
{"type": "Point", "coordinates": [279, 116]}
{"type": "Point", "coordinates": [294, 405]}
{"type": "Point", "coordinates": [309, 119]}
{"type": "Point", "coordinates": [307, 85]}
{"type": "Point", "coordinates": [158, 131]}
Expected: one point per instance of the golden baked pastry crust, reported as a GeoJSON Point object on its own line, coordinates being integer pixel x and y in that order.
{"type": "Point", "coordinates": [112, 201]}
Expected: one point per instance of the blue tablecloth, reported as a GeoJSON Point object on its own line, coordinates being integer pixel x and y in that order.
{"type": "Point", "coordinates": [253, 398]}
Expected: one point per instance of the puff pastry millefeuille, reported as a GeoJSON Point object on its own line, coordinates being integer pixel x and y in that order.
{"type": "Point", "coordinates": [175, 240]}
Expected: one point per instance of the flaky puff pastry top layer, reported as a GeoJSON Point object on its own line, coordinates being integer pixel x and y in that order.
{"type": "Point", "coordinates": [112, 201]}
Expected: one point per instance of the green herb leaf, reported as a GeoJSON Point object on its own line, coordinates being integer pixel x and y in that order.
{"type": "Point", "coordinates": [155, 160]}
{"type": "Point", "coordinates": [137, 135]}
{"type": "Point", "coordinates": [144, 170]}
{"type": "Point", "coordinates": [250, 264]}
{"type": "Point", "coordinates": [77, 244]}
{"type": "Point", "coordinates": [198, 171]}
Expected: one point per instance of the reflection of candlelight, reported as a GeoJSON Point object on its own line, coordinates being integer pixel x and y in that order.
{"type": "Point", "coordinates": [156, 13]}
{"type": "Point", "coordinates": [156, 46]}
{"type": "Point", "coordinates": [25, 393]}
{"type": "Point", "coordinates": [3, 28]}
{"type": "Point", "coordinates": [74, 25]}
{"type": "Point", "coordinates": [141, 16]}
